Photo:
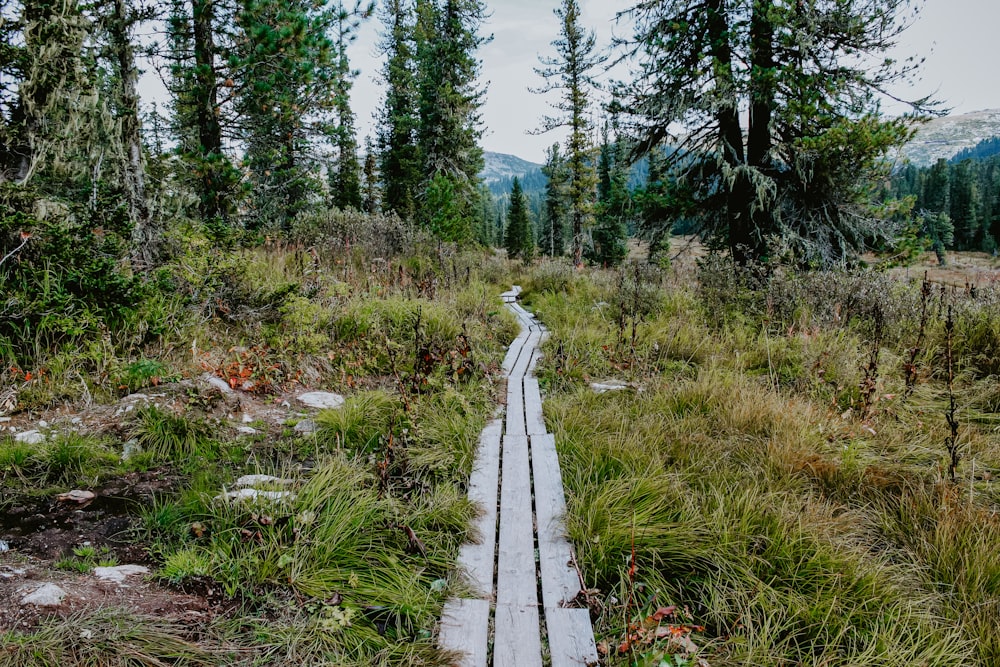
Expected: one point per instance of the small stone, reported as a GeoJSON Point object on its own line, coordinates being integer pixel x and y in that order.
{"type": "Point", "coordinates": [255, 480]}
{"type": "Point", "coordinates": [76, 496]}
{"type": "Point", "coordinates": [306, 426]}
{"type": "Point", "coordinates": [217, 383]}
{"type": "Point", "coordinates": [119, 573]}
{"type": "Point", "coordinates": [247, 430]}
{"type": "Point", "coordinates": [4, 546]}
{"type": "Point", "coordinates": [246, 419]}
{"type": "Point", "coordinates": [612, 385]}
{"type": "Point", "coordinates": [46, 595]}
{"type": "Point", "coordinates": [254, 494]}
{"type": "Point", "coordinates": [30, 437]}
{"type": "Point", "coordinates": [321, 400]}
{"type": "Point", "coordinates": [4, 420]}
{"type": "Point", "coordinates": [76, 421]}
{"type": "Point", "coordinates": [132, 398]}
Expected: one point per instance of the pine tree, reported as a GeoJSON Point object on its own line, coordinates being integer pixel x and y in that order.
{"type": "Point", "coordinates": [655, 205]}
{"type": "Point", "coordinates": [345, 173]}
{"type": "Point", "coordinates": [808, 75]}
{"type": "Point", "coordinates": [553, 237]}
{"type": "Point", "coordinates": [570, 71]}
{"type": "Point", "coordinates": [197, 46]}
{"type": "Point", "coordinates": [371, 199]}
{"type": "Point", "coordinates": [449, 99]}
{"type": "Point", "coordinates": [964, 204]}
{"type": "Point", "coordinates": [519, 240]}
{"type": "Point", "coordinates": [399, 162]}
{"type": "Point", "coordinates": [613, 204]}
{"type": "Point", "coordinates": [290, 71]}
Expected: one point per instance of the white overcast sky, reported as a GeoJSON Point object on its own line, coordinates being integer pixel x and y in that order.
{"type": "Point", "coordinates": [957, 37]}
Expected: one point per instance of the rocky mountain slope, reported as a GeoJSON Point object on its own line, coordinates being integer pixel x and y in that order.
{"type": "Point", "coordinates": [943, 137]}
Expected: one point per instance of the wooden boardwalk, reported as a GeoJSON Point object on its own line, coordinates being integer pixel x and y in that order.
{"type": "Point", "coordinates": [521, 567]}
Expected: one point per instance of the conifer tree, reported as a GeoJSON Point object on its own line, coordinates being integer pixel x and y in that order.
{"type": "Point", "coordinates": [570, 71]}
{"type": "Point", "coordinates": [200, 70]}
{"type": "Point", "coordinates": [519, 240]}
{"type": "Point", "coordinates": [613, 204]}
{"type": "Point", "coordinates": [809, 75]}
{"type": "Point", "coordinates": [963, 196]}
{"type": "Point", "coordinates": [553, 235]}
{"type": "Point", "coordinates": [449, 99]}
{"type": "Point", "coordinates": [345, 173]}
{"type": "Point", "coordinates": [399, 162]}
{"type": "Point", "coordinates": [371, 195]}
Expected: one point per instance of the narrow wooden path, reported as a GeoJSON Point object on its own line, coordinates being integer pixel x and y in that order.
{"type": "Point", "coordinates": [522, 569]}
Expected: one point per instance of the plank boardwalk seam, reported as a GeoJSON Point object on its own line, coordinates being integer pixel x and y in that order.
{"type": "Point", "coordinates": [516, 462]}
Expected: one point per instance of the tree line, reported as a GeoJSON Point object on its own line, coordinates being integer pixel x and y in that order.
{"type": "Point", "coordinates": [759, 121]}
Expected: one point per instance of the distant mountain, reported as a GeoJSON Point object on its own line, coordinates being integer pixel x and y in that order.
{"type": "Point", "coordinates": [944, 137]}
{"type": "Point", "coordinates": [500, 166]}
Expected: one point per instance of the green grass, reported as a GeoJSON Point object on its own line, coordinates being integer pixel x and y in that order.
{"type": "Point", "coordinates": [753, 491]}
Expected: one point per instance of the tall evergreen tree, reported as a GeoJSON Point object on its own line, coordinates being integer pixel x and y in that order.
{"type": "Point", "coordinates": [449, 100]}
{"type": "Point", "coordinates": [399, 161]}
{"type": "Point", "coordinates": [371, 194]}
{"type": "Point", "coordinates": [345, 173]}
{"type": "Point", "coordinates": [614, 204]}
{"type": "Point", "coordinates": [198, 48]}
{"type": "Point", "coordinates": [571, 71]}
{"type": "Point", "coordinates": [519, 238]}
{"type": "Point", "coordinates": [809, 75]}
{"type": "Point", "coordinates": [964, 205]}
{"type": "Point", "coordinates": [553, 232]}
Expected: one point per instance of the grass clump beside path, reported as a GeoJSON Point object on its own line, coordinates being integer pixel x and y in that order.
{"type": "Point", "coordinates": [759, 494]}
{"type": "Point", "coordinates": [346, 556]}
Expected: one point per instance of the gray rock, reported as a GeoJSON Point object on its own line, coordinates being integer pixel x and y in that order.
{"type": "Point", "coordinates": [217, 383]}
{"type": "Point", "coordinates": [255, 495]}
{"type": "Point", "coordinates": [4, 546]}
{"type": "Point", "coordinates": [247, 430]}
{"type": "Point", "coordinates": [306, 427]}
{"type": "Point", "coordinates": [255, 480]}
{"type": "Point", "coordinates": [32, 437]}
{"type": "Point", "coordinates": [119, 573]}
{"type": "Point", "coordinates": [611, 385]}
{"type": "Point", "coordinates": [321, 400]}
{"type": "Point", "coordinates": [46, 595]}
{"type": "Point", "coordinates": [76, 496]}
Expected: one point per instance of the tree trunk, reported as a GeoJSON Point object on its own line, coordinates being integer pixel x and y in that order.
{"type": "Point", "coordinates": [213, 181]}
{"type": "Point", "coordinates": [146, 238]}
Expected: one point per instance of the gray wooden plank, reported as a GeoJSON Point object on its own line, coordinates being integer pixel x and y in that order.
{"type": "Point", "coordinates": [521, 367]}
{"type": "Point", "coordinates": [514, 352]}
{"type": "Point", "coordinates": [465, 626]}
{"type": "Point", "coordinates": [534, 420]}
{"type": "Point", "coordinates": [477, 558]}
{"type": "Point", "coordinates": [515, 407]}
{"type": "Point", "coordinates": [516, 579]}
{"type": "Point", "coordinates": [560, 581]}
{"type": "Point", "coordinates": [571, 637]}
{"type": "Point", "coordinates": [518, 640]}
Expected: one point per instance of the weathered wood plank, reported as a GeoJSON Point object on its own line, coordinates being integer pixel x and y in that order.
{"type": "Point", "coordinates": [514, 352]}
{"type": "Point", "coordinates": [465, 628]}
{"type": "Point", "coordinates": [571, 637]}
{"type": "Point", "coordinates": [518, 640]}
{"type": "Point", "coordinates": [560, 582]}
{"type": "Point", "coordinates": [524, 359]}
{"type": "Point", "coordinates": [515, 407]}
{"type": "Point", "coordinates": [533, 418]}
{"type": "Point", "coordinates": [516, 578]}
{"type": "Point", "coordinates": [477, 558]}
